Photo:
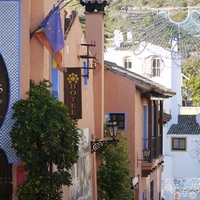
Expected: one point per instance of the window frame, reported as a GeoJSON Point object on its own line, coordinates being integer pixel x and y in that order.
{"type": "Point", "coordinates": [144, 195]}
{"type": "Point", "coordinates": [145, 127]}
{"type": "Point", "coordinates": [85, 70]}
{"type": "Point", "coordinates": [116, 116]}
{"type": "Point", "coordinates": [153, 121]}
{"type": "Point", "coordinates": [152, 190]}
{"type": "Point", "coordinates": [127, 62]}
{"type": "Point", "coordinates": [55, 80]}
{"type": "Point", "coordinates": [156, 66]}
{"type": "Point", "coordinates": [179, 148]}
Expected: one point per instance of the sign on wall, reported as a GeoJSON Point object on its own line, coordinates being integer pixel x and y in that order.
{"type": "Point", "coordinates": [73, 95]}
{"type": "Point", "coordinates": [4, 90]}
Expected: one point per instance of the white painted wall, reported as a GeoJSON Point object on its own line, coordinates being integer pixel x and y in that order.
{"type": "Point", "coordinates": [181, 164]}
{"type": "Point", "coordinates": [167, 168]}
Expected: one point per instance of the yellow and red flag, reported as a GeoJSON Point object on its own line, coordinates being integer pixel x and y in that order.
{"type": "Point", "coordinates": [51, 35]}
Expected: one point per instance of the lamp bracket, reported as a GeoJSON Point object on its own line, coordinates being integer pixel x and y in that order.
{"type": "Point", "coordinates": [88, 57]}
{"type": "Point", "coordinates": [87, 75]}
{"type": "Point", "coordinates": [97, 146]}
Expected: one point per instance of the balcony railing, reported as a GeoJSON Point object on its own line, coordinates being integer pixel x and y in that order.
{"type": "Point", "coordinates": [155, 148]}
{"type": "Point", "coordinates": [155, 159]}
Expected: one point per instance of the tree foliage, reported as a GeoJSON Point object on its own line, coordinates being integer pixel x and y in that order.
{"type": "Point", "coordinates": [191, 69]}
{"type": "Point", "coordinates": [44, 133]}
{"type": "Point", "coordinates": [112, 21]}
{"type": "Point", "coordinates": [114, 173]}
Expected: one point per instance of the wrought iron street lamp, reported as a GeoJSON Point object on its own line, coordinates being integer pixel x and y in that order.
{"type": "Point", "coordinates": [97, 146]}
{"type": "Point", "coordinates": [146, 153]}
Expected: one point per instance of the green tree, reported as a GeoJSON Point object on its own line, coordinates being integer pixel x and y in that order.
{"type": "Point", "coordinates": [114, 173]}
{"type": "Point", "coordinates": [192, 70]}
{"type": "Point", "coordinates": [44, 134]}
{"type": "Point", "coordinates": [194, 86]}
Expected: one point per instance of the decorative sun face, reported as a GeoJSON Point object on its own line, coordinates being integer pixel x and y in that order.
{"type": "Point", "coordinates": [73, 78]}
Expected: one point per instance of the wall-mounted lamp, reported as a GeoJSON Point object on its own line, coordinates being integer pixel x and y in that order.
{"type": "Point", "coordinates": [146, 153]}
{"type": "Point", "coordinates": [100, 145]}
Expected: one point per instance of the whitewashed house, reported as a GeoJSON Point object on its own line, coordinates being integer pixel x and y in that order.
{"type": "Point", "coordinates": [182, 157]}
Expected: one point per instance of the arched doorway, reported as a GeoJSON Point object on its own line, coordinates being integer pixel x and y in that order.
{"type": "Point", "coordinates": [5, 177]}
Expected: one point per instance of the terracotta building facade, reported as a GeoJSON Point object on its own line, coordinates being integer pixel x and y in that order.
{"type": "Point", "coordinates": [24, 57]}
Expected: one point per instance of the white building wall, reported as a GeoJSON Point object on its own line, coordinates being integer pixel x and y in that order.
{"type": "Point", "coordinates": [189, 110]}
{"type": "Point", "coordinates": [184, 165]}
{"type": "Point", "coordinates": [117, 56]}
{"type": "Point", "coordinates": [167, 167]}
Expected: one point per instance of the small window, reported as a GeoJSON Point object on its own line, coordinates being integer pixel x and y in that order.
{"type": "Point", "coordinates": [128, 63]}
{"type": "Point", "coordinates": [156, 65]}
{"type": "Point", "coordinates": [85, 72]}
{"type": "Point", "coordinates": [120, 118]}
{"type": "Point", "coordinates": [145, 127]}
{"type": "Point", "coordinates": [55, 82]}
{"type": "Point", "coordinates": [153, 122]}
{"type": "Point", "coordinates": [144, 195]}
{"type": "Point", "coordinates": [179, 144]}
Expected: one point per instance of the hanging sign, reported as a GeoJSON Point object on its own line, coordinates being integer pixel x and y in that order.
{"type": "Point", "coordinates": [73, 95]}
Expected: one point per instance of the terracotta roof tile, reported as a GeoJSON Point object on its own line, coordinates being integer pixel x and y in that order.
{"type": "Point", "coordinates": [166, 92]}
{"type": "Point", "coordinates": [187, 125]}
{"type": "Point", "coordinates": [124, 46]}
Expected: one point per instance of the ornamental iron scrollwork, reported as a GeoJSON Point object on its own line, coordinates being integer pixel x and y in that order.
{"type": "Point", "coordinates": [154, 30]}
{"type": "Point", "coordinates": [98, 146]}
{"type": "Point", "coordinates": [195, 151]}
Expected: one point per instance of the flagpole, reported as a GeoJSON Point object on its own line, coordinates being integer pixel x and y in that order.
{"type": "Point", "coordinates": [65, 4]}
{"type": "Point", "coordinates": [59, 2]}
{"type": "Point", "coordinates": [33, 32]}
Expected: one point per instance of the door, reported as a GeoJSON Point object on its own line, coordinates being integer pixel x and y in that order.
{"type": "Point", "coordinates": [5, 177]}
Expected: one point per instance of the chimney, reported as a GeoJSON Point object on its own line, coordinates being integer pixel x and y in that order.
{"type": "Point", "coordinates": [94, 19]}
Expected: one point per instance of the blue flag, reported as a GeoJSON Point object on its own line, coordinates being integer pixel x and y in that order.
{"type": "Point", "coordinates": [52, 26]}
{"type": "Point", "coordinates": [50, 33]}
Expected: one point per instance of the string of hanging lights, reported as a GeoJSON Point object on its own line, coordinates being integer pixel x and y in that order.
{"type": "Point", "coordinates": [155, 30]}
